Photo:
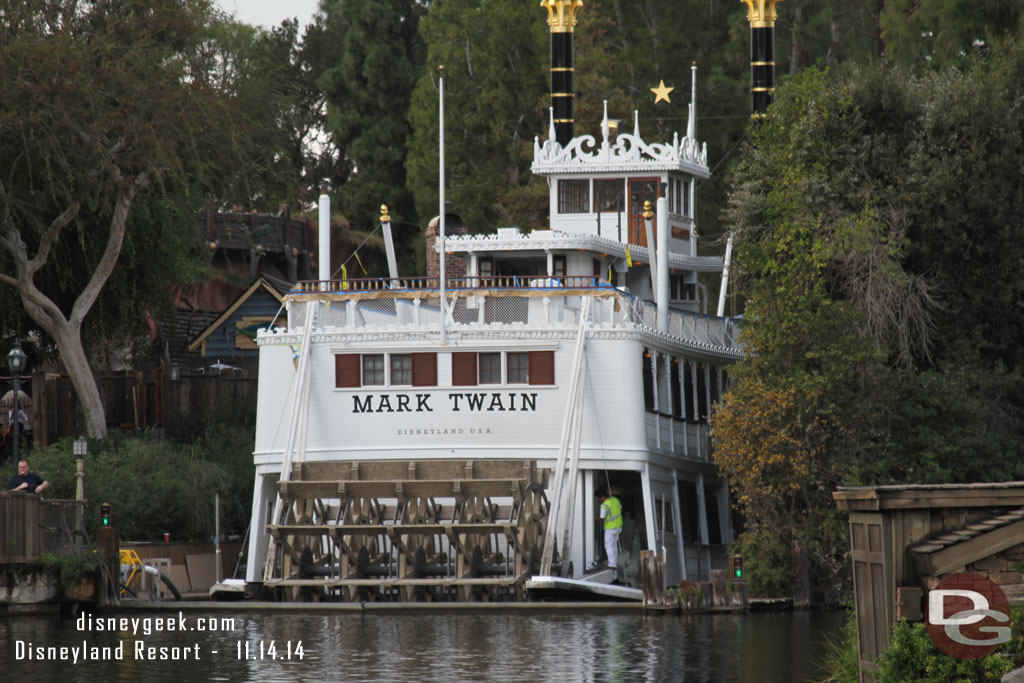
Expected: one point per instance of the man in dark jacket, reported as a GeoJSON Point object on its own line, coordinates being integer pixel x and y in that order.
{"type": "Point", "coordinates": [30, 482]}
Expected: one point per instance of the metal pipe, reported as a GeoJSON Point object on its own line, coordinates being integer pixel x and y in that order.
{"type": "Point", "coordinates": [662, 263]}
{"type": "Point", "coordinates": [725, 276]}
{"type": "Point", "coordinates": [324, 234]}
{"type": "Point", "coordinates": [440, 215]}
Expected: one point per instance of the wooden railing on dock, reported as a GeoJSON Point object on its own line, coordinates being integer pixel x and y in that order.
{"type": "Point", "coordinates": [31, 526]}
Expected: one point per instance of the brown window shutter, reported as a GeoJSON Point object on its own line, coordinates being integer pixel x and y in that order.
{"type": "Point", "coordinates": [463, 369]}
{"type": "Point", "coordinates": [424, 369]}
{"type": "Point", "coordinates": [542, 367]}
{"type": "Point", "coordinates": [346, 370]}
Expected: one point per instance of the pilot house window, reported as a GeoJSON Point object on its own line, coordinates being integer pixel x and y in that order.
{"type": "Point", "coordinates": [609, 195]}
{"type": "Point", "coordinates": [573, 196]}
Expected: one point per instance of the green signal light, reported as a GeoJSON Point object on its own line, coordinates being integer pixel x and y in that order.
{"type": "Point", "coordinates": [105, 514]}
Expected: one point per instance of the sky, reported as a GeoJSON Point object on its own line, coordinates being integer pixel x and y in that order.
{"type": "Point", "coordinates": [270, 13]}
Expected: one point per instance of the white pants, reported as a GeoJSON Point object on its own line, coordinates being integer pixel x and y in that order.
{"type": "Point", "coordinates": [611, 546]}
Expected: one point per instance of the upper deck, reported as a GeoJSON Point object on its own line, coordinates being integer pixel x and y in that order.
{"type": "Point", "coordinates": [411, 308]}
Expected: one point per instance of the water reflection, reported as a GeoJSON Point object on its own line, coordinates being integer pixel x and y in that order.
{"type": "Point", "coordinates": [445, 647]}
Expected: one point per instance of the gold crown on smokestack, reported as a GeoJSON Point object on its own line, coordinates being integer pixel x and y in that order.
{"type": "Point", "coordinates": [561, 13]}
{"type": "Point", "coordinates": [762, 12]}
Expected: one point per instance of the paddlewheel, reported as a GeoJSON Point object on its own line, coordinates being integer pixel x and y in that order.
{"type": "Point", "coordinates": [408, 531]}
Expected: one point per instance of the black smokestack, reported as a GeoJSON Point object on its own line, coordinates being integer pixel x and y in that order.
{"type": "Point", "coordinates": [561, 20]}
{"type": "Point", "coordinates": [762, 54]}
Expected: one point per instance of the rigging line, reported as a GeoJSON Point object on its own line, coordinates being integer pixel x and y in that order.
{"type": "Point", "coordinates": [522, 198]}
{"type": "Point", "coordinates": [365, 240]}
{"type": "Point", "coordinates": [726, 155]}
{"type": "Point", "coordinates": [291, 387]}
{"type": "Point", "coordinates": [274, 319]}
{"type": "Point", "coordinates": [600, 439]}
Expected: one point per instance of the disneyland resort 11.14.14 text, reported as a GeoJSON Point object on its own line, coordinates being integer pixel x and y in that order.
{"type": "Point", "coordinates": [137, 628]}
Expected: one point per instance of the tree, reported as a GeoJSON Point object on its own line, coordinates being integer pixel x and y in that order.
{"type": "Point", "coordinates": [272, 76]}
{"type": "Point", "coordinates": [493, 97]}
{"type": "Point", "coordinates": [944, 32]}
{"type": "Point", "coordinates": [105, 103]}
{"type": "Point", "coordinates": [879, 238]}
{"type": "Point", "coordinates": [368, 89]}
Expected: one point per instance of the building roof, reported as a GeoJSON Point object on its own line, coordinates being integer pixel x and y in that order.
{"type": "Point", "coordinates": [912, 496]}
{"type": "Point", "coordinates": [259, 284]}
{"type": "Point", "coordinates": [951, 551]}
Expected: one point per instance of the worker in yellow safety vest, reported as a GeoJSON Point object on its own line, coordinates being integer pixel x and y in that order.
{"type": "Point", "coordinates": [611, 515]}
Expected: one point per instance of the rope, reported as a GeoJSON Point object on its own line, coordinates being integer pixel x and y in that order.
{"type": "Point", "coordinates": [365, 240]}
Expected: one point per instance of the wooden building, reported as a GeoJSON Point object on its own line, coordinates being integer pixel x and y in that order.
{"type": "Point", "coordinates": [905, 539]}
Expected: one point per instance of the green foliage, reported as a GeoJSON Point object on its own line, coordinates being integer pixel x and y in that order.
{"type": "Point", "coordinates": [767, 565]}
{"type": "Point", "coordinates": [842, 662]}
{"type": "Point", "coordinates": [368, 88]}
{"type": "Point", "coordinates": [942, 32]}
{"type": "Point", "coordinates": [69, 569]}
{"type": "Point", "coordinates": [108, 106]}
{"type": "Point", "coordinates": [493, 109]}
{"type": "Point", "coordinates": [879, 239]}
{"type": "Point", "coordinates": [912, 656]}
{"type": "Point", "coordinates": [159, 486]}
{"type": "Point", "coordinates": [273, 73]}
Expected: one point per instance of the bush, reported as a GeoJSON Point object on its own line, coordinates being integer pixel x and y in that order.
{"type": "Point", "coordinates": [842, 663]}
{"type": "Point", "coordinates": [912, 656]}
{"type": "Point", "coordinates": [158, 486]}
{"type": "Point", "coordinates": [767, 563]}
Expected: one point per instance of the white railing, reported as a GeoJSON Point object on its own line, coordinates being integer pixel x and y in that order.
{"type": "Point", "coordinates": [682, 439]}
{"type": "Point", "coordinates": [533, 303]}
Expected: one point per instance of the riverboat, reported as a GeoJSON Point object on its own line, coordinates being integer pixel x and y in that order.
{"type": "Point", "coordinates": [443, 437]}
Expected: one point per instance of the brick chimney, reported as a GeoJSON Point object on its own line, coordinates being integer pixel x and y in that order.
{"type": "Point", "coordinates": [454, 266]}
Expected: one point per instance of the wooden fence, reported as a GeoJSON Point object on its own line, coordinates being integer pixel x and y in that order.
{"type": "Point", "coordinates": [30, 526]}
{"type": "Point", "coordinates": [135, 400]}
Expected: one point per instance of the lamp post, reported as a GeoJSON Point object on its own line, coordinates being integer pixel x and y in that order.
{"type": "Point", "coordinates": [80, 448]}
{"type": "Point", "coordinates": [16, 360]}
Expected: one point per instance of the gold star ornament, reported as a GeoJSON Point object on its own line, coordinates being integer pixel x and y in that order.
{"type": "Point", "coordinates": [661, 92]}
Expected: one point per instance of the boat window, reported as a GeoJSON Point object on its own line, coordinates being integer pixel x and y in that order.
{"type": "Point", "coordinates": [688, 390]}
{"type": "Point", "coordinates": [702, 394]}
{"type": "Point", "coordinates": [714, 522]}
{"type": "Point", "coordinates": [401, 368]}
{"type": "Point", "coordinates": [648, 383]}
{"type": "Point", "coordinates": [518, 368]}
{"type": "Point", "coordinates": [558, 265]}
{"type": "Point", "coordinates": [573, 196]}
{"type": "Point", "coordinates": [490, 368]}
{"type": "Point", "coordinates": [609, 195]}
{"type": "Point", "coordinates": [677, 399]}
{"type": "Point", "coordinates": [532, 367]}
{"type": "Point", "coordinates": [689, 511]}
{"type": "Point", "coordinates": [663, 510]}
{"type": "Point", "coordinates": [373, 370]}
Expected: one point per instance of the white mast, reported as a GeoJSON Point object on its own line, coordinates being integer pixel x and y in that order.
{"type": "Point", "coordinates": [725, 277]}
{"type": "Point", "coordinates": [440, 219]}
{"type": "Point", "coordinates": [324, 236]}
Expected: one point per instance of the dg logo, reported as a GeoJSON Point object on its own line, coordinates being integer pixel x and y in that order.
{"type": "Point", "coordinates": [968, 616]}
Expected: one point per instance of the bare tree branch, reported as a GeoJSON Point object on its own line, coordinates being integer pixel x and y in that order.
{"type": "Point", "coordinates": [49, 238]}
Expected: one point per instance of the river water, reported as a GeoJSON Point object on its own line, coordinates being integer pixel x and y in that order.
{"type": "Point", "coordinates": [445, 646]}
